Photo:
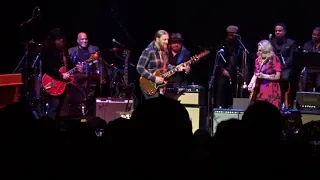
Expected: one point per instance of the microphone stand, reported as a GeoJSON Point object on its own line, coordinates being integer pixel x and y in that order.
{"type": "Point", "coordinates": [113, 16]}
{"type": "Point", "coordinates": [245, 52]}
{"type": "Point", "coordinates": [24, 59]}
{"type": "Point", "coordinates": [211, 95]}
{"type": "Point", "coordinates": [242, 45]}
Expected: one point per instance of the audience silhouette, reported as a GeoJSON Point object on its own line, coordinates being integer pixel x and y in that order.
{"type": "Point", "coordinates": [156, 143]}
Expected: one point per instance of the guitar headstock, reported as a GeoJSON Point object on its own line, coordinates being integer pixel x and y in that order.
{"type": "Point", "coordinates": [199, 56]}
{"type": "Point", "coordinates": [94, 56]}
{"type": "Point", "coordinates": [125, 53]}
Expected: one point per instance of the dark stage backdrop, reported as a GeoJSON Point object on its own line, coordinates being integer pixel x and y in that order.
{"type": "Point", "coordinates": [133, 23]}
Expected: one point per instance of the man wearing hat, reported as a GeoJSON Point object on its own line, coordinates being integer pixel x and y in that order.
{"type": "Point", "coordinates": [227, 71]}
{"type": "Point", "coordinates": [177, 55]}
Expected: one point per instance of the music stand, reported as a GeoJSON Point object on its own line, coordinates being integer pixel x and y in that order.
{"type": "Point", "coordinates": [311, 60]}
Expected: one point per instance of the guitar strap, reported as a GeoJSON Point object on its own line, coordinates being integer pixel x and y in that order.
{"type": "Point", "coordinates": [164, 58]}
{"type": "Point", "coordinates": [65, 60]}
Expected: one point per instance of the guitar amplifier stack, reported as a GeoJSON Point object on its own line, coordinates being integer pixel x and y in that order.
{"type": "Point", "coordinates": [194, 99]}
{"type": "Point", "coordinates": [109, 109]}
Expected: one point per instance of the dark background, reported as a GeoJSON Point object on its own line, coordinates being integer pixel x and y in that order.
{"type": "Point", "coordinates": [133, 23]}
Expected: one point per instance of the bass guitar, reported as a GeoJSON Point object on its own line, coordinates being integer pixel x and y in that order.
{"type": "Point", "coordinates": [150, 88]}
{"type": "Point", "coordinates": [57, 87]}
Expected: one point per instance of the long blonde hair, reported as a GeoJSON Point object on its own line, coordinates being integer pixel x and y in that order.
{"type": "Point", "coordinates": [266, 50]}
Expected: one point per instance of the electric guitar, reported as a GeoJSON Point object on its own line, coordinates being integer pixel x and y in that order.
{"type": "Point", "coordinates": [150, 88]}
{"type": "Point", "coordinates": [57, 87]}
{"type": "Point", "coordinates": [124, 89]}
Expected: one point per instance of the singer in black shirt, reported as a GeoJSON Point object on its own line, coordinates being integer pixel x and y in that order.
{"type": "Point", "coordinates": [227, 71]}
{"type": "Point", "coordinates": [284, 48]}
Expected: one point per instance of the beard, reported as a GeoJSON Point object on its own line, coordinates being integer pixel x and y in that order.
{"type": "Point", "coordinates": [162, 45]}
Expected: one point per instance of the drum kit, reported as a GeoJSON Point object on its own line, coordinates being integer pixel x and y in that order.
{"type": "Point", "coordinates": [80, 96]}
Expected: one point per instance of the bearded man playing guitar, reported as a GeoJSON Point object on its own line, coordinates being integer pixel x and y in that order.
{"type": "Point", "coordinates": [155, 57]}
{"type": "Point", "coordinates": [54, 56]}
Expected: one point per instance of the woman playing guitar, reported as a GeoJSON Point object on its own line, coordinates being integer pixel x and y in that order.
{"type": "Point", "coordinates": [264, 84]}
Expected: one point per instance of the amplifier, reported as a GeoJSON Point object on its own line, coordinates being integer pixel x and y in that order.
{"type": "Point", "coordinates": [308, 116]}
{"type": "Point", "coordinates": [109, 109]}
{"type": "Point", "coordinates": [198, 117]}
{"type": "Point", "coordinates": [190, 95]}
{"type": "Point", "coordinates": [220, 115]}
{"type": "Point", "coordinates": [309, 101]}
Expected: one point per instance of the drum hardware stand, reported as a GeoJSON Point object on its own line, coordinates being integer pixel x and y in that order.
{"type": "Point", "coordinates": [24, 71]}
{"type": "Point", "coordinates": [211, 95]}
{"type": "Point", "coordinates": [37, 66]}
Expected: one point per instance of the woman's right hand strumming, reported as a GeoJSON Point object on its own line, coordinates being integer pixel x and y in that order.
{"type": "Point", "coordinates": [250, 87]}
{"type": "Point", "coordinates": [65, 76]}
{"type": "Point", "coordinates": [159, 80]}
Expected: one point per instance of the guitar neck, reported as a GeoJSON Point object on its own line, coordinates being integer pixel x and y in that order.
{"type": "Point", "coordinates": [73, 70]}
{"type": "Point", "coordinates": [191, 61]}
{"type": "Point", "coordinates": [174, 70]}
{"type": "Point", "coordinates": [125, 70]}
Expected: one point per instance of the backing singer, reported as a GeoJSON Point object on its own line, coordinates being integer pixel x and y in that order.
{"type": "Point", "coordinates": [268, 68]}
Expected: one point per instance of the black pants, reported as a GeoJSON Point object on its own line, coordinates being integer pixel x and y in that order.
{"type": "Point", "coordinates": [315, 77]}
{"type": "Point", "coordinates": [286, 78]}
{"type": "Point", "coordinates": [224, 92]}
{"type": "Point", "coordinates": [54, 106]}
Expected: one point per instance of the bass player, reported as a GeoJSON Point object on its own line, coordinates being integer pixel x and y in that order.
{"type": "Point", "coordinates": [154, 57]}
{"type": "Point", "coordinates": [54, 56]}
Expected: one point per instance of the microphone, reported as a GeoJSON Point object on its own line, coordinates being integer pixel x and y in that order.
{"type": "Point", "coordinates": [115, 41]}
{"type": "Point", "coordinates": [220, 51]}
{"type": "Point", "coordinates": [270, 37]}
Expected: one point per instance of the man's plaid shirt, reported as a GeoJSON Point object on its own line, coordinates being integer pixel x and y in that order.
{"type": "Point", "coordinates": [150, 61]}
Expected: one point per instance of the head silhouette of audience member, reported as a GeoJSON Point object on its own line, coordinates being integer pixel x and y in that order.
{"type": "Point", "coordinates": [162, 133]}
{"type": "Point", "coordinates": [264, 119]}
{"type": "Point", "coordinates": [162, 119]}
{"type": "Point", "coordinates": [229, 130]}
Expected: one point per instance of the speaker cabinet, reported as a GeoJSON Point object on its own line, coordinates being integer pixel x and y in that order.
{"type": "Point", "coordinates": [220, 115]}
{"type": "Point", "coordinates": [109, 109]}
{"type": "Point", "coordinates": [198, 117]}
